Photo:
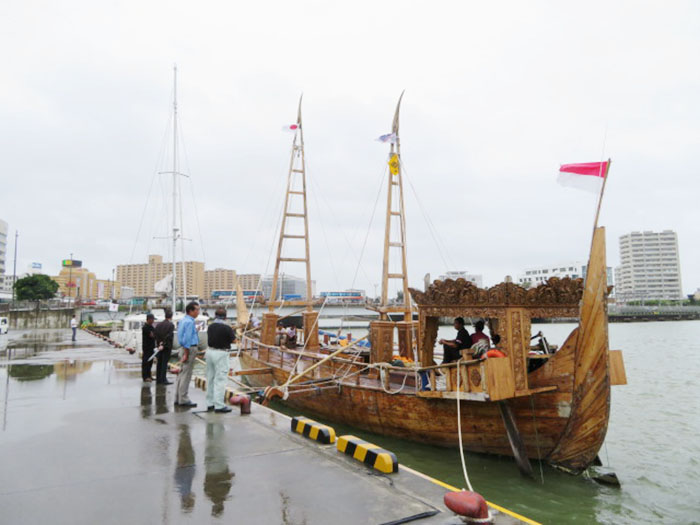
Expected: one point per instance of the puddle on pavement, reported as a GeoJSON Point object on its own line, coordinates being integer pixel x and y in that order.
{"type": "Point", "coordinates": [218, 477]}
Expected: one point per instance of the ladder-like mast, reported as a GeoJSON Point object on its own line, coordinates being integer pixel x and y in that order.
{"type": "Point", "coordinates": [297, 169]}
{"type": "Point", "coordinates": [395, 182]}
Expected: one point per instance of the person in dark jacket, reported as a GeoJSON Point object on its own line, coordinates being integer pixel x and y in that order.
{"type": "Point", "coordinates": [452, 347]}
{"type": "Point", "coordinates": [164, 338]}
{"type": "Point", "coordinates": [148, 345]}
{"type": "Point", "coordinates": [220, 337]}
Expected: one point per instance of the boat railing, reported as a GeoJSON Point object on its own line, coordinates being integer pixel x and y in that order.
{"type": "Point", "coordinates": [479, 379]}
{"type": "Point", "coordinates": [287, 358]}
{"type": "Point", "coordinates": [442, 380]}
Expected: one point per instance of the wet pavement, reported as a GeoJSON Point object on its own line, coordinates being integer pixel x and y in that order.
{"type": "Point", "coordinates": [85, 441]}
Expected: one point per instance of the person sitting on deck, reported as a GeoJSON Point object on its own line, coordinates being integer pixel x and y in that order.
{"type": "Point", "coordinates": [496, 351]}
{"type": "Point", "coordinates": [280, 335]}
{"type": "Point", "coordinates": [451, 348]}
{"type": "Point", "coordinates": [291, 336]}
{"type": "Point", "coordinates": [479, 334]}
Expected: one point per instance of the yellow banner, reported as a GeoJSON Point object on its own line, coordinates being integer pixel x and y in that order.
{"type": "Point", "coordinates": [394, 164]}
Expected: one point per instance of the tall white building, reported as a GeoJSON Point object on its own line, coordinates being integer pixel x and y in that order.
{"type": "Point", "coordinates": [649, 267]}
{"type": "Point", "coordinates": [537, 275]}
{"type": "Point", "coordinates": [5, 280]}
{"type": "Point", "coordinates": [471, 277]}
{"type": "Point", "coordinates": [3, 245]}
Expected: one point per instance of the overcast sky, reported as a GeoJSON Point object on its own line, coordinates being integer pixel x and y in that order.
{"type": "Point", "coordinates": [498, 95]}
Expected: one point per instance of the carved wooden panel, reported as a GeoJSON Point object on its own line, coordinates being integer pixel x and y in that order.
{"type": "Point", "coordinates": [408, 332]}
{"type": "Point", "coordinates": [517, 345]}
{"type": "Point", "coordinates": [382, 339]}
{"type": "Point", "coordinates": [554, 295]}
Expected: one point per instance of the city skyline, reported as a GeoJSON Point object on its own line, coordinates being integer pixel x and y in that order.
{"type": "Point", "coordinates": [487, 118]}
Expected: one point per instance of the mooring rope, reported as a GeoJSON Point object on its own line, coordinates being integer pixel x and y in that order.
{"type": "Point", "coordinates": [459, 428]}
{"type": "Point", "coordinates": [537, 437]}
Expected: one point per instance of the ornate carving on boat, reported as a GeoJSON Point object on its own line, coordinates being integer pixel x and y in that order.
{"type": "Point", "coordinates": [475, 377]}
{"type": "Point", "coordinates": [555, 292]}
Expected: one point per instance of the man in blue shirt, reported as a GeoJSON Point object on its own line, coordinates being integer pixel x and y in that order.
{"type": "Point", "coordinates": [188, 339]}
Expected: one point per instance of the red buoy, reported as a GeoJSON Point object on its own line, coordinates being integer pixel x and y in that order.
{"type": "Point", "coordinates": [470, 505]}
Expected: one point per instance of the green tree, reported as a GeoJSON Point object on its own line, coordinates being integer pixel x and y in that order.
{"type": "Point", "coordinates": [35, 288]}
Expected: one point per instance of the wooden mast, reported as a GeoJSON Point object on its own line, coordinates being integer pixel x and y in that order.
{"type": "Point", "coordinates": [297, 169]}
{"type": "Point", "coordinates": [395, 180]}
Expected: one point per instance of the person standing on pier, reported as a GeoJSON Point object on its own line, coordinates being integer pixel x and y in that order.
{"type": "Point", "coordinates": [74, 326]}
{"type": "Point", "coordinates": [164, 337]}
{"type": "Point", "coordinates": [220, 336]}
{"type": "Point", "coordinates": [148, 345]}
{"type": "Point", "coordinates": [189, 340]}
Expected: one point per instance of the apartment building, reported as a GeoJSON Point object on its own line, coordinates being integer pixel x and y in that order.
{"type": "Point", "coordinates": [536, 275]}
{"type": "Point", "coordinates": [249, 281]}
{"type": "Point", "coordinates": [81, 283]}
{"type": "Point", "coordinates": [143, 277]}
{"type": "Point", "coordinates": [218, 279]}
{"type": "Point", "coordinates": [649, 267]}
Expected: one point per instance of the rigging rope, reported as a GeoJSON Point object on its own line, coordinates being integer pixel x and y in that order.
{"type": "Point", "coordinates": [159, 158]}
{"type": "Point", "coordinates": [371, 219]}
{"type": "Point", "coordinates": [431, 227]}
{"type": "Point", "coordinates": [459, 427]}
{"type": "Point", "coordinates": [305, 342]}
{"type": "Point", "coordinates": [194, 201]}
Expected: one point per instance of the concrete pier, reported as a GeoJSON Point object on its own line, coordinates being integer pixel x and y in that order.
{"type": "Point", "coordinates": [85, 441]}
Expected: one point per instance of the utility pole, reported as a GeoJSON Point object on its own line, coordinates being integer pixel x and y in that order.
{"type": "Point", "coordinates": [14, 268]}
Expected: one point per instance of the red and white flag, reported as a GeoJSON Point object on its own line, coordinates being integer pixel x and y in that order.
{"type": "Point", "coordinates": [586, 176]}
{"type": "Point", "coordinates": [291, 128]}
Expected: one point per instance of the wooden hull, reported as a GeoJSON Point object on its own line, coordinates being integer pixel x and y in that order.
{"type": "Point", "coordinates": [564, 423]}
{"type": "Point", "coordinates": [541, 419]}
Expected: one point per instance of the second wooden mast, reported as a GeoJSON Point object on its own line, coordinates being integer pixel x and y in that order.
{"type": "Point", "coordinates": [394, 216]}
{"type": "Point", "coordinates": [296, 190]}
{"type": "Point", "coordinates": [297, 170]}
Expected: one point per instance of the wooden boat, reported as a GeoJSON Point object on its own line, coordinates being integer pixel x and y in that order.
{"type": "Point", "coordinates": [558, 412]}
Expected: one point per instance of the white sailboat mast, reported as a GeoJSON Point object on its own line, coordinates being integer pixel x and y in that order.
{"type": "Point", "coordinates": [175, 229]}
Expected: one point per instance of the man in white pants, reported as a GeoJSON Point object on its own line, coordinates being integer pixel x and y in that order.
{"type": "Point", "coordinates": [220, 337]}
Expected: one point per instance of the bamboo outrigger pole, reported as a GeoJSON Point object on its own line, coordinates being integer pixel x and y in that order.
{"type": "Point", "coordinates": [395, 179]}
{"type": "Point", "coordinates": [294, 169]}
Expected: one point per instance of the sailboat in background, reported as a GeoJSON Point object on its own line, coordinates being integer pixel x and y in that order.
{"type": "Point", "coordinates": [130, 335]}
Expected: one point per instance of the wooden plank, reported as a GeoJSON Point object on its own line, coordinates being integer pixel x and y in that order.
{"type": "Point", "coordinates": [499, 377]}
{"type": "Point", "coordinates": [253, 371]}
{"type": "Point", "coordinates": [617, 368]}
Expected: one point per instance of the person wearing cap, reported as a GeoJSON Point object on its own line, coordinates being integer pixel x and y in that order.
{"type": "Point", "coordinates": [164, 338]}
{"type": "Point", "coordinates": [220, 337]}
{"type": "Point", "coordinates": [148, 345]}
